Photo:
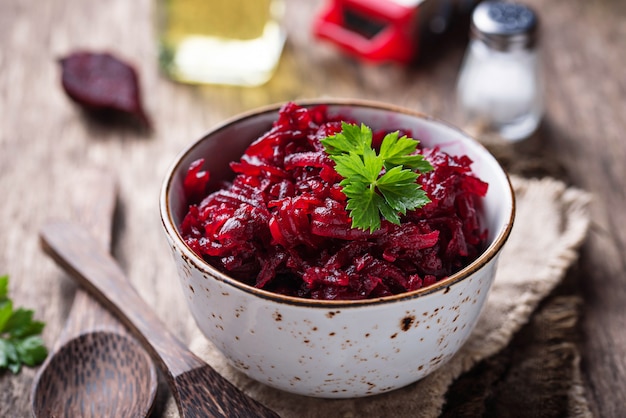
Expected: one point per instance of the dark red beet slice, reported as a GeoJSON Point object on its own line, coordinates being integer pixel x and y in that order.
{"type": "Point", "coordinates": [101, 82]}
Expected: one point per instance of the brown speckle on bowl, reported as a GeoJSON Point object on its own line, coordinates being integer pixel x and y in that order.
{"type": "Point", "coordinates": [186, 271]}
{"type": "Point", "coordinates": [436, 360]}
{"type": "Point", "coordinates": [406, 322]}
{"type": "Point", "coordinates": [277, 316]}
{"type": "Point", "coordinates": [241, 365]}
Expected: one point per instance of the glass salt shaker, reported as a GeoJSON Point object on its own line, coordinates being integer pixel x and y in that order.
{"type": "Point", "coordinates": [500, 84]}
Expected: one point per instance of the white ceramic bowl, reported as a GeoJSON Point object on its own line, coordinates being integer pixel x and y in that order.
{"type": "Point", "coordinates": [336, 349]}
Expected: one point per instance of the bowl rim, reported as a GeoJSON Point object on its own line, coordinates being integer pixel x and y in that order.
{"type": "Point", "coordinates": [171, 229]}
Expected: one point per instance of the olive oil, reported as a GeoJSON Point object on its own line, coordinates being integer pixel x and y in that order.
{"type": "Point", "coordinates": [235, 42]}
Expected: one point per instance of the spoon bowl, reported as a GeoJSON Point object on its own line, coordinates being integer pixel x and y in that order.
{"type": "Point", "coordinates": [98, 374]}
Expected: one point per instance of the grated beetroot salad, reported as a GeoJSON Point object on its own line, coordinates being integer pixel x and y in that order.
{"type": "Point", "coordinates": [282, 225]}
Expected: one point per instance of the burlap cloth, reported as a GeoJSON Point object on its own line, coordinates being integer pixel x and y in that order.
{"type": "Point", "coordinates": [551, 223]}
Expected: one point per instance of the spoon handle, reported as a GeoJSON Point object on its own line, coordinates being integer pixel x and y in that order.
{"type": "Point", "coordinates": [79, 254]}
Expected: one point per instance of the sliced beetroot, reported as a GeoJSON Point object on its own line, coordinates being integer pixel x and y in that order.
{"type": "Point", "coordinates": [282, 223]}
{"type": "Point", "coordinates": [100, 82]}
{"type": "Point", "coordinates": [195, 182]}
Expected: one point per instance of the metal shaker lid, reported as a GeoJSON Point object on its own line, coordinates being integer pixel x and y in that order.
{"type": "Point", "coordinates": [504, 25]}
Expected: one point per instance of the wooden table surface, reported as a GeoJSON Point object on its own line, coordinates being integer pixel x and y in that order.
{"type": "Point", "coordinates": [45, 142]}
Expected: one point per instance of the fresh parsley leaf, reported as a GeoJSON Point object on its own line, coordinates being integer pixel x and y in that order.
{"type": "Point", "coordinates": [352, 139]}
{"type": "Point", "coordinates": [383, 183]}
{"type": "Point", "coordinates": [401, 151]}
{"type": "Point", "coordinates": [364, 204]}
{"type": "Point", "coordinates": [20, 342]}
{"type": "Point", "coordinates": [31, 350]}
{"type": "Point", "coordinates": [22, 325]}
{"type": "Point", "coordinates": [6, 310]}
{"type": "Point", "coordinates": [401, 190]}
{"type": "Point", "coordinates": [8, 356]}
{"type": "Point", "coordinates": [4, 287]}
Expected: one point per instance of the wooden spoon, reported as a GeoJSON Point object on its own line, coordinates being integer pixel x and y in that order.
{"type": "Point", "coordinates": [198, 389]}
{"type": "Point", "coordinates": [82, 376]}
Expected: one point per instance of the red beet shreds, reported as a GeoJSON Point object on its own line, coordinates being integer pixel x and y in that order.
{"type": "Point", "coordinates": [282, 224]}
{"type": "Point", "coordinates": [101, 82]}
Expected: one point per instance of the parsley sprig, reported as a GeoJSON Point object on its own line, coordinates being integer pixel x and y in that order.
{"type": "Point", "coordinates": [20, 342]}
{"type": "Point", "coordinates": [383, 183]}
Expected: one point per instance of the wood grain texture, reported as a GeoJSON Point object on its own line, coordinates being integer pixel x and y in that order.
{"type": "Point", "coordinates": [46, 143]}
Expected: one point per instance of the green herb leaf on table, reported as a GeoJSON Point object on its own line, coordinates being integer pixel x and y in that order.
{"type": "Point", "coordinates": [377, 184]}
{"type": "Point", "coordinates": [20, 342]}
